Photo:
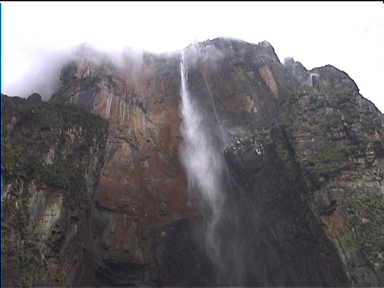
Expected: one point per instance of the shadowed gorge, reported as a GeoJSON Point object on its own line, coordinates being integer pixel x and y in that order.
{"type": "Point", "coordinates": [213, 166]}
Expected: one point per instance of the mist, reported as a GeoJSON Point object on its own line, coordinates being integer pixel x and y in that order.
{"type": "Point", "coordinates": [37, 37]}
{"type": "Point", "coordinates": [203, 163]}
{"type": "Point", "coordinates": [41, 74]}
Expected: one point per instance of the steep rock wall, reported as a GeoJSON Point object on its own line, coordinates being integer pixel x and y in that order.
{"type": "Point", "coordinates": [142, 184]}
{"type": "Point", "coordinates": [53, 157]}
{"type": "Point", "coordinates": [304, 154]}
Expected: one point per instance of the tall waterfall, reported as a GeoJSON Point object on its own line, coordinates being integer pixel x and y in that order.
{"type": "Point", "coordinates": [202, 161]}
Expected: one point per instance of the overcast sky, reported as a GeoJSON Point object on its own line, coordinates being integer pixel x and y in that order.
{"type": "Point", "coordinates": [348, 35]}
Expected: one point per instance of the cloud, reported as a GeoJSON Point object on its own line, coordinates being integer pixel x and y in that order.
{"type": "Point", "coordinates": [41, 73]}
{"type": "Point", "coordinates": [33, 33]}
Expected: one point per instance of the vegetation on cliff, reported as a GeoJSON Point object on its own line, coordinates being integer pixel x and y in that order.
{"type": "Point", "coordinates": [52, 156]}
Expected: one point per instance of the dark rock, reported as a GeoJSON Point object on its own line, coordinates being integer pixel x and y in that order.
{"type": "Point", "coordinates": [180, 256]}
{"type": "Point", "coordinates": [54, 154]}
{"type": "Point", "coordinates": [34, 97]}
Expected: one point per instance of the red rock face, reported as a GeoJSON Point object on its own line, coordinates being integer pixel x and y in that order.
{"type": "Point", "coordinates": [143, 168]}
{"type": "Point", "coordinates": [142, 182]}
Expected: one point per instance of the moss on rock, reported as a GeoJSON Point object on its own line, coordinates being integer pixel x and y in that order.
{"type": "Point", "coordinates": [49, 151]}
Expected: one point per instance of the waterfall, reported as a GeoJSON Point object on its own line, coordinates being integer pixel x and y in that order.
{"type": "Point", "coordinates": [202, 161]}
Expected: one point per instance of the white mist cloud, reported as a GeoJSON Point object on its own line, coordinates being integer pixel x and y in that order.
{"type": "Point", "coordinates": [349, 35]}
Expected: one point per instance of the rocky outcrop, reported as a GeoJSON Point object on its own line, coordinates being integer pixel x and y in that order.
{"type": "Point", "coordinates": [53, 158]}
{"type": "Point", "coordinates": [332, 137]}
{"type": "Point", "coordinates": [303, 186]}
{"type": "Point", "coordinates": [338, 138]}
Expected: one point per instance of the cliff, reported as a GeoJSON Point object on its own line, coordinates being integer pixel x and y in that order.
{"type": "Point", "coordinates": [53, 156]}
{"type": "Point", "coordinates": [303, 150]}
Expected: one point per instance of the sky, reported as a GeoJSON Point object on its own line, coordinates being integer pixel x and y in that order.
{"type": "Point", "coordinates": [37, 36]}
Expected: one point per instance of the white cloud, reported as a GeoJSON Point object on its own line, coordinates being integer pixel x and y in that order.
{"type": "Point", "coordinates": [348, 35]}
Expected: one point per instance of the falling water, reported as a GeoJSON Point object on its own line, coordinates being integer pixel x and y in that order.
{"type": "Point", "coordinates": [202, 161]}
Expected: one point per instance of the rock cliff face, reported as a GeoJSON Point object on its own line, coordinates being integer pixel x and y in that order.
{"type": "Point", "coordinates": [303, 197]}
{"type": "Point", "coordinates": [53, 158]}
{"type": "Point", "coordinates": [338, 139]}
{"type": "Point", "coordinates": [142, 184]}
